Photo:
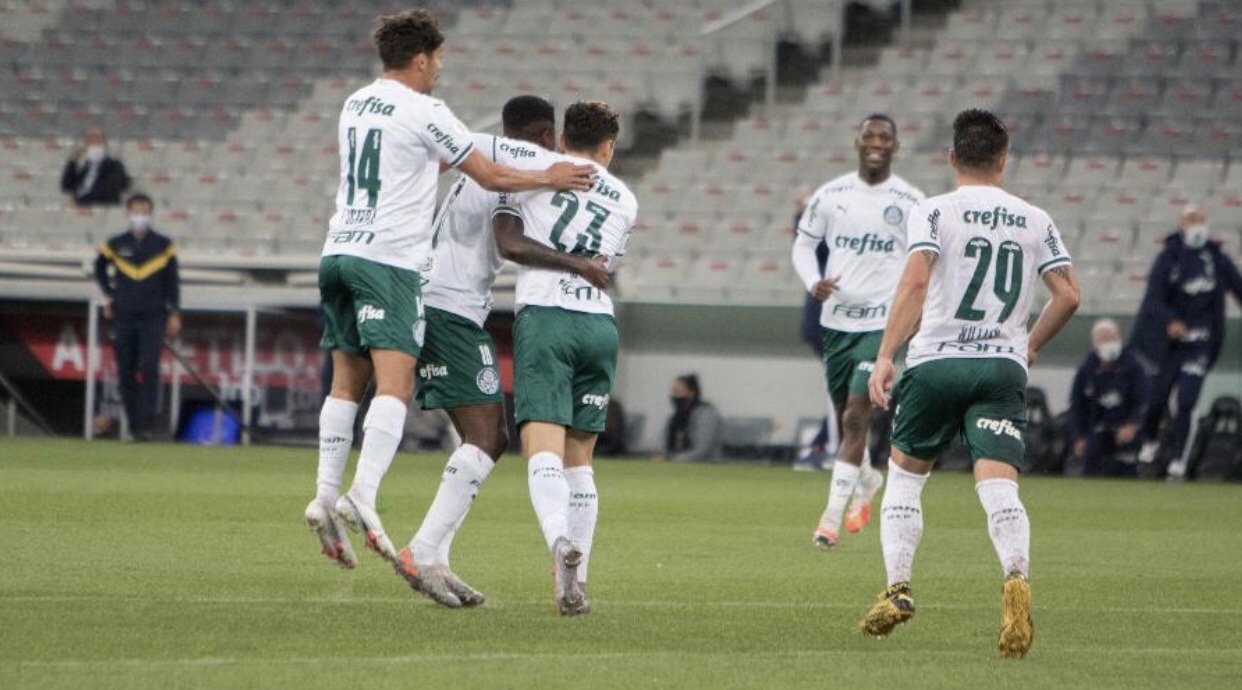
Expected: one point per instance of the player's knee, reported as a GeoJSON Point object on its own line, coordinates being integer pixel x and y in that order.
{"type": "Point", "coordinates": [494, 441]}
{"type": "Point", "coordinates": [856, 417]}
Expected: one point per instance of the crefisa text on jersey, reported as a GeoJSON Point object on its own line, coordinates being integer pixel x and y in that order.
{"type": "Point", "coordinates": [370, 105]}
{"type": "Point", "coordinates": [997, 216]}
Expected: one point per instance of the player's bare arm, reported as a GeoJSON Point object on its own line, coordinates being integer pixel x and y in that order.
{"type": "Point", "coordinates": [1062, 282]}
{"type": "Point", "coordinates": [903, 321]}
{"type": "Point", "coordinates": [497, 177]}
{"type": "Point", "coordinates": [515, 246]}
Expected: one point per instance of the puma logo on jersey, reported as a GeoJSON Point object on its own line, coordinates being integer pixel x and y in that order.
{"type": "Point", "coordinates": [370, 105]}
{"type": "Point", "coordinates": [999, 427]}
{"type": "Point", "coordinates": [997, 216]}
{"type": "Point", "coordinates": [370, 313]}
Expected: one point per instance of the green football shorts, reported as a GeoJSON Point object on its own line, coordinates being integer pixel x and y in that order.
{"type": "Point", "coordinates": [983, 399]}
{"type": "Point", "coordinates": [458, 366]}
{"type": "Point", "coordinates": [369, 305]}
{"type": "Point", "coordinates": [849, 359]}
{"type": "Point", "coordinates": [564, 364]}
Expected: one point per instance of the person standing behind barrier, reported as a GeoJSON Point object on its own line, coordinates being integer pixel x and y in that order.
{"type": "Point", "coordinates": [91, 176]}
{"type": "Point", "coordinates": [143, 297]}
{"type": "Point", "coordinates": [1180, 329]}
{"type": "Point", "coordinates": [1107, 404]}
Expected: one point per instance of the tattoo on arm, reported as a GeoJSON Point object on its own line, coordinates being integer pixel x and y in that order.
{"type": "Point", "coordinates": [1062, 272]}
{"type": "Point", "coordinates": [929, 257]}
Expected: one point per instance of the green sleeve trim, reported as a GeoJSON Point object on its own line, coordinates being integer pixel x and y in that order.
{"type": "Point", "coordinates": [1054, 262]}
{"type": "Point", "coordinates": [507, 209]}
{"type": "Point", "coordinates": [925, 245]}
{"type": "Point", "coordinates": [462, 156]}
{"type": "Point", "coordinates": [800, 231]}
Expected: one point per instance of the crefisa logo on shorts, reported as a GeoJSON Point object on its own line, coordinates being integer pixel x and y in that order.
{"type": "Point", "coordinates": [600, 401]}
{"type": "Point", "coordinates": [370, 313]}
{"type": "Point", "coordinates": [998, 427]}
{"type": "Point", "coordinates": [488, 380]}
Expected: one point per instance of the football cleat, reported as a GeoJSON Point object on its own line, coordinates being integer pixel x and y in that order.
{"type": "Point", "coordinates": [431, 580]}
{"type": "Point", "coordinates": [893, 607]}
{"type": "Point", "coordinates": [363, 518]}
{"type": "Point", "coordinates": [857, 517]}
{"type": "Point", "coordinates": [823, 538]}
{"type": "Point", "coordinates": [1017, 629]}
{"type": "Point", "coordinates": [332, 535]}
{"type": "Point", "coordinates": [565, 586]}
{"type": "Point", "coordinates": [469, 596]}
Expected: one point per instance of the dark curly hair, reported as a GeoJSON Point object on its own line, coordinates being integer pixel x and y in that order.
{"type": "Point", "coordinates": [979, 139]}
{"type": "Point", "coordinates": [399, 37]}
{"type": "Point", "coordinates": [589, 124]}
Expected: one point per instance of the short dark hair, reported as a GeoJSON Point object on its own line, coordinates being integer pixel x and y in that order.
{"type": "Point", "coordinates": [399, 37]}
{"type": "Point", "coordinates": [589, 124]}
{"type": "Point", "coordinates": [878, 117]}
{"type": "Point", "coordinates": [979, 138]}
{"type": "Point", "coordinates": [138, 198]}
{"type": "Point", "coordinates": [692, 382]}
{"type": "Point", "coordinates": [521, 111]}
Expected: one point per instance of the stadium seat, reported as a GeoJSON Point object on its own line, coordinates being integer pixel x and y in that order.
{"type": "Point", "coordinates": [709, 278]}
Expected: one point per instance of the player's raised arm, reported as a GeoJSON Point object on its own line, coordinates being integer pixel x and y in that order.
{"type": "Point", "coordinates": [497, 177]}
{"type": "Point", "coordinates": [514, 245]}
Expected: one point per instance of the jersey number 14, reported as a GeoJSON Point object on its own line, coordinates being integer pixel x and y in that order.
{"type": "Point", "coordinates": [364, 167]}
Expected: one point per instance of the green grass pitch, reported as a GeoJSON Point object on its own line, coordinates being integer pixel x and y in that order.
{"type": "Point", "coordinates": [161, 566]}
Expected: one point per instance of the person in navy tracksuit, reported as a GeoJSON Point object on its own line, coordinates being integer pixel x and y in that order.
{"type": "Point", "coordinates": [1107, 403]}
{"type": "Point", "coordinates": [1180, 328]}
{"type": "Point", "coordinates": [143, 297]}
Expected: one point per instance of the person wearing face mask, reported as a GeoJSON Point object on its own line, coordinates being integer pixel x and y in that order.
{"type": "Point", "coordinates": [1180, 331]}
{"type": "Point", "coordinates": [1106, 405]}
{"type": "Point", "coordinates": [137, 271]}
{"type": "Point", "coordinates": [91, 176]}
{"type": "Point", "coordinates": [694, 431]}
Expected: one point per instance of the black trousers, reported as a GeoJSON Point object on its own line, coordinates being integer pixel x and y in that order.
{"type": "Point", "coordinates": [1184, 368]}
{"type": "Point", "coordinates": [137, 347]}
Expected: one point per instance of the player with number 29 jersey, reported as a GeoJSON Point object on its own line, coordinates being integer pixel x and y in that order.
{"type": "Point", "coordinates": [978, 305]}
{"type": "Point", "coordinates": [392, 141]}
{"type": "Point", "coordinates": [596, 222]}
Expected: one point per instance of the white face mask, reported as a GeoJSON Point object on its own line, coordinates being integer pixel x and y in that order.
{"type": "Point", "coordinates": [1109, 352]}
{"type": "Point", "coordinates": [1196, 236]}
{"type": "Point", "coordinates": [96, 152]}
{"type": "Point", "coordinates": [140, 222]}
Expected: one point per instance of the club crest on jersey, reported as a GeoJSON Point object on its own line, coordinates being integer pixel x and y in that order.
{"type": "Point", "coordinates": [488, 381]}
{"type": "Point", "coordinates": [997, 216]}
{"type": "Point", "coordinates": [370, 105]}
{"type": "Point", "coordinates": [893, 215]}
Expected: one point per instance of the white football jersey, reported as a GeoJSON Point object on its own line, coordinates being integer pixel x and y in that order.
{"type": "Point", "coordinates": [992, 247]}
{"type": "Point", "coordinates": [597, 222]}
{"type": "Point", "coordinates": [392, 140]}
{"type": "Point", "coordinates": [865, 230]}
{"type": "Point", "coordinates": [466, 257]}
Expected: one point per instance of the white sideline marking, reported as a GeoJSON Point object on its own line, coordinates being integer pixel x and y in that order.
{"type": "Point", "coordinates": [563, 656]}
{"type": "Point", "coordinates": [496, 604]}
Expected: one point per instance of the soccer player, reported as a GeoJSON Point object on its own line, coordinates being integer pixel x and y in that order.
{"type": "Point", "coordinates": [457, 370]}
{"type": "Point", "coordinates": [393, 139]}
{"type": "Point", "coordinates": [967, 289]}
{"type": "Point", "coordinates": [861, 217]}
{"type": "Point", "coordinates": [565, 344]}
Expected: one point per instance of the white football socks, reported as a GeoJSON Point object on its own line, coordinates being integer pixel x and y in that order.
{"type": "Point", "coordinates": [549, 494]}
{"type": "Point", "coordinates": [336, 436]}
{"type": "Point", "coordinates": [869, 480]}
{"type": "Point", "coordinates": [844, 479]}
{"type": "Point", "coordinates": [466, 470]}
{"type": "Point", "coordinates": [583, 512]}
{"type": "Point", "coordinates": [1008, 524]}
{"type": "Point", "coordinates": [381, 435]}
{"type": "Point", "coordinates": [901, 521]}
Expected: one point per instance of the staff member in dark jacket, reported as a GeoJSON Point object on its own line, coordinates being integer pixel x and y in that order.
{"type": "Point", "coordinates": [1181, 327]}
{"type": "Point", "coordinates": [695, 431]}
{"type": "Point", "coordinates": [143, 296]}
{"type": "Point", "coordinates": [91, 176]}
{"type": "Point", "coordinates": [1107, 404]}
